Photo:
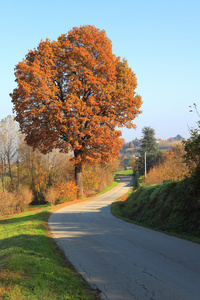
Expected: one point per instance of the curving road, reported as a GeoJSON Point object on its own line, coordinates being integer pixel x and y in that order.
{"type": "Point", "coordinates": [125, 261]}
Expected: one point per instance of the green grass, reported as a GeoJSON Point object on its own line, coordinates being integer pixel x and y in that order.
{"type": "Point", "coordinates": [125, 172]}
{"type": "Point", "coordinates": [168, 207]}
{"type": "Point", "coordinates": [31, 264]}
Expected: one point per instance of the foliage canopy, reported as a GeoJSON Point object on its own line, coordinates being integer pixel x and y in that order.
{"type": "Point", "coordinates": [72, 93]}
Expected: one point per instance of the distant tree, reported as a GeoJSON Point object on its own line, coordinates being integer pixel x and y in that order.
{"type": "Point", "coordinates": [192, 147]}
{"type": "Point", "coordinates": [133, 163]}
{"type": "Point", "coordinates": [136, 142]}
{"type": "Point", "coordinates": [148, 145]}
{"type": "Point", "coordinates": [9, 142]}
{"type": "Point", "coordinates": [71, 95]}
{"type": "Point", "coordinates": [39, 172]}
{"type": "Point", "coordinates": [160, 158]}
{"type": "Point", "coordinates": [123, 142]}
{"type": "Point", "coordinates": [192, 156]}
{"type": "Point", "coordinates": [178, 137]}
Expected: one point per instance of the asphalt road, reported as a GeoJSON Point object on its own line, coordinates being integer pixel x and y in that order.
{"type": "Point", "coordinates": [123, 260]}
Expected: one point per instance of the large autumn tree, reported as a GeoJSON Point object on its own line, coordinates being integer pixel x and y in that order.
{"type": "Point", "coordinates": [72, 93]}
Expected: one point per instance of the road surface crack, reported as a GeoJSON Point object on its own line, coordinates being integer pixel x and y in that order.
{"type": "Point", "coordinates": [153, 276]}
{"type": "Point", "coordinates": [147, 292]}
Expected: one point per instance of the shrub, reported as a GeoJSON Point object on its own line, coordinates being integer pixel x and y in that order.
{"type": "Point", "coordinates": [89, 192]}
{"type": "Point", "coordinates": [91, 177]}
{"type": "Point", "coordinates": [51, 196]}
{"type": "Point", "coordinates": [6, 201]}
{"type": "Point", "coordinates": [173, 168]}
{"type": "Point", "coordinates": [17, 201]}
{"type": "Point", "coordinates": [23, 197]}
{"type": "Point", "coordinates": [66, 191]}
{"type": "Point", "coordinates": [96, 178]}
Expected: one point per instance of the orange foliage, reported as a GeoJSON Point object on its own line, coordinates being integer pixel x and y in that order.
{"type": "Point", "coordinates": [67, 190]}
{"type": "Point", "coordinates": [73, 92]}
{"type": "Point", "coordinates": [123, 142]}
{"type": "Point", "coordinates": [173, 168]}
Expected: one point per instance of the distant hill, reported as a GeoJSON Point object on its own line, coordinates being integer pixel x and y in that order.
{"type": "Point", "coordinates": [163, 145]}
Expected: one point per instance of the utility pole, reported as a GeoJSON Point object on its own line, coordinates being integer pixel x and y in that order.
{"type": "Point", "coordinates": [145, 164]}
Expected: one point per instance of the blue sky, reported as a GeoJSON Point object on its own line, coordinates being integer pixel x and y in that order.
{"type": "Point", "coordinates": [160, 40]}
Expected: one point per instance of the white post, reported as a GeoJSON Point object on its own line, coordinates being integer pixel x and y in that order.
{"type": "Point", "coordinates": [145, 164]}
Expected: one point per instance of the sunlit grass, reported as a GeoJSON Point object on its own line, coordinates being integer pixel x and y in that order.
{"type": "Point", "coordinates": [31, 265]}
{"type": "Point", "coordinates": [126, 172]}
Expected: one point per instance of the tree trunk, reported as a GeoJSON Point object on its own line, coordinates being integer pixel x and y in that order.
{"type": "Point", "coordinates": [79, 174]}
{"type": "Point", "coordinates": [10, 171]}
{"type": "Point", "coordinates": [79, 180]}
{"type": "Point", "coordinates": [2, 173]}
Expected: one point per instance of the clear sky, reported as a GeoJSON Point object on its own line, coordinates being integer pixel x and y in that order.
{"type": "Point", "coordinates": [160, 40]}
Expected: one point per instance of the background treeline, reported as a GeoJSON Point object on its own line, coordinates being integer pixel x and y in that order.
{"type": "Point", "coordinates": [27, 176]}
{"type": "Point", "coordinates": [163, 145]}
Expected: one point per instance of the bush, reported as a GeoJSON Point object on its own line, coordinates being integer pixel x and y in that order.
{"type": "Point", "coordinates": [89, 192]}
{"type": "Point", "coordinates": [51, 196]}
{"type": "Point", "coordinates": [172, 169]}
{"type": "Point", "coordinates": [17, 201]}
{"type": "Point", "coordinates": [66, 191]}
{"type": "Point", "coordinates": [6, 201]}
{"type": "Point", "coordinates": [23, 197]}
{"type": "Point", "coordinates": [97, 178]}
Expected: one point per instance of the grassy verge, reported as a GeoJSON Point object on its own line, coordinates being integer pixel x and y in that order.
{"type": "Point", "coordinates": [125, 172]}
{"type": "Point", "coordinates": [31, 265]}
{"type": "Point", "coordinates": [168, 207]}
